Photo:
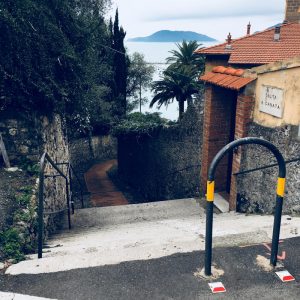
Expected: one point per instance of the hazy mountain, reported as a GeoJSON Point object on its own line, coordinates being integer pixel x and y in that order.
{"type": "Point", "coordinates": [173, 36]}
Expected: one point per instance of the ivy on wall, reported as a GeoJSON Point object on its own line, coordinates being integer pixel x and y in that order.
{"type": "Point", "coordinates": [18, 237]}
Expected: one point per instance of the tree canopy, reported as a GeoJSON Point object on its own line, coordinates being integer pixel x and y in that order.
{"type": "Point", "coordinates": [139, 79]}
{"type": "Point", "coordinates": [56, 57]}
{"type": "Point", "coordinates": [185, 56]}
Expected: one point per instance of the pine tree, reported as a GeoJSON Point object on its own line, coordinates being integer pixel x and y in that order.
{"type": "Point", "coordinates": [120, 66]}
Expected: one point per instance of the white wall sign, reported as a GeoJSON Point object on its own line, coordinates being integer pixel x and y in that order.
{"type": "Point", "coordinates": [271, 101]}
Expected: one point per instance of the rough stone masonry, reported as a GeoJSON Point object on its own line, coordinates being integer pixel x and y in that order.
{"type": "Point", "coordinates": [257, 190]}
{"type": "Point", "coordinates": [26, 138]}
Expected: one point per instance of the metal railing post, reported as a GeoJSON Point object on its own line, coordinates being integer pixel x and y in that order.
{"type": "Point", "coordinates": [70, 184]}
{"type": "Point", "coordinates": [80, 185]}
{"type": "Point", "coordinates": [209, 226]}
{"type": "Point", "coordinates": [41, 207]}
{"type": "Point", "coordinates": [68, 202]}
{"type": "Point", "coordinates": [277, 220]}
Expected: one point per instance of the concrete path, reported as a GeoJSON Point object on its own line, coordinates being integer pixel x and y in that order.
{"type": "Point", "coordinates": [112, 235]}
{"type": "Point", "coordinates": [102, 189]}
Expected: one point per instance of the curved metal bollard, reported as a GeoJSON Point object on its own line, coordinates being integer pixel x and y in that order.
{"type": "Point", "coordinates": [211, 189]}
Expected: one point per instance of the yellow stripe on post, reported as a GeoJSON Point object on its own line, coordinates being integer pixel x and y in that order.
{"type": "Point", "coordinates": [210, 191]}
{"type": "Point", "coordinates": [280, 186]}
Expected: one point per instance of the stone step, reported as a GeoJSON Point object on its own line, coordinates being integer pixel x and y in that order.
{"type": "Point", "coordinates": [221, 203]}
{"type": "Point", "coordinates": [134, 213]}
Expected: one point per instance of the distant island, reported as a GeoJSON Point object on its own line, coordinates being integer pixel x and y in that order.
{"type": "Point", "coordinates": [169, 36]}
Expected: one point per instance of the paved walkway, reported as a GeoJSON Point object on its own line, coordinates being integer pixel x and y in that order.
{"type": "Point", "coordinates": [155, 251]}
{"type": "Point", "coordinates": [117, 234]}
{"type": "Point", "coordinates": [102, 189]}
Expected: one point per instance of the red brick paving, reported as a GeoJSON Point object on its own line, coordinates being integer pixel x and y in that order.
{"type": "Point", "coordinates": [102, 189]}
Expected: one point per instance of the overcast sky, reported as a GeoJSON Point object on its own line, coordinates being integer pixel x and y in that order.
{"type": "Point", "coordinates": [214, 18]}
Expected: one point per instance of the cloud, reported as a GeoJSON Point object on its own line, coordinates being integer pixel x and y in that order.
{"type": "Point", "coordinates": [214, 18]}
{"type": "Point", "coordinates": [175, 10]}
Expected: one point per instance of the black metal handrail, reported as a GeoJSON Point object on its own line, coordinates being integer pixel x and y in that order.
{"type": "Point", "coordinates": [72, 173]}
{"type": "Point", "coordinates": [44, 159]}
{"type": "Point", "coordinates": [265, 167]}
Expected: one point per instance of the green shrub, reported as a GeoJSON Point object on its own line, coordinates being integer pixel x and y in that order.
{"type": "Point", "coordinates": [139, 123]}
{"type": "Point", "coordinates": [11, 244]}
{"type": "Point", "coordinates": [22, 216]}
{"type": "Point", "coordinates": [17, 240]}
{"type": "Point", "coordinates": [23, 199]}
{"type": "Point", "coordinates": [31, 168]}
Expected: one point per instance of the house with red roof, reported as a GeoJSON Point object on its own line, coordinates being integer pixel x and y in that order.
{"type": "Point", "coordinates": [252, 88]}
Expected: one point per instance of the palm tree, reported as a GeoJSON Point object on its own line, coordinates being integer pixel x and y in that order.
{"type": "Point", "coordinates": [180, 79]}
{"type": "Point", "coordinates": [178, 84]}
{"type": "Point", "coordinates": [185, 56]}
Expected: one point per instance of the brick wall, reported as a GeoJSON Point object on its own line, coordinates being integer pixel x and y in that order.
{"type": "Point", "coordinates": [244, 110]}
{"type": "Point", "coordinates": [218, 122]}
{"type": "Point", "coordinates": [292, 12]}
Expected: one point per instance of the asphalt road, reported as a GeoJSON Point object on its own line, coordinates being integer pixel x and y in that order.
{"type": "Point", "coordinates": [169, 277]}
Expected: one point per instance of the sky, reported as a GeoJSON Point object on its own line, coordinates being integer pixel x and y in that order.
{"type": "Point", "coordinates": [215, 18]}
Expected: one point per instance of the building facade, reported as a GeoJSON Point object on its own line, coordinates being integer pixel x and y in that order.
{"type": "Point", "coordinates": [253, 89]}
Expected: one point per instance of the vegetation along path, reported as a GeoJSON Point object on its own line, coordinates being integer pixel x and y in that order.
{"type": "Point", "coordinates": [102, 189]}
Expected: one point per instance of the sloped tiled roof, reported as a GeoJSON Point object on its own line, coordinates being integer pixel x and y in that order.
{"type": "Point", "coordinates": [229, 78]}
{"type": "Point", "coordinates": [260, 48]}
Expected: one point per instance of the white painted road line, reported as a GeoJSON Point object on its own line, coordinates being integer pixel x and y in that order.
{"type": "Point", "coordinates": [13, 296]}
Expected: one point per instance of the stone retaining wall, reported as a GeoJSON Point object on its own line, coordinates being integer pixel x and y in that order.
{"type": "Point", "coordinates": [55, 143]}
{"type": "Point", "coordinates": [164, 165]}
{"type": "Point", "coordinates": [21, 137]}
{"type": "Point", "coordinates": [26, 138]}
{"type": "Point", "coordinates": [257, 190]}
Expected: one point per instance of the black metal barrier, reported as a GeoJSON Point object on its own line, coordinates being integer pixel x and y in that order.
{"type": "Point", "coordinates": [211, 188]}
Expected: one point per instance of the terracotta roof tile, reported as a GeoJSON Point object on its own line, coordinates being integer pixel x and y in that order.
{"type": "Point", "coordinates": [227, 77]}
{"type": "Point", "coordinates": [260, 48]}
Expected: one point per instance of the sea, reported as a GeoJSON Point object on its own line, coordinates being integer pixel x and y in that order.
{"type": "Point", "coordinates": [156, 54]}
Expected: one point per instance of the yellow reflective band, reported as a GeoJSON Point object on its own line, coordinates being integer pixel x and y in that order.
{"type": "Point", "coordinates": [280, 186]}
{"type": "Point", "coordinates": [210, 191]}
